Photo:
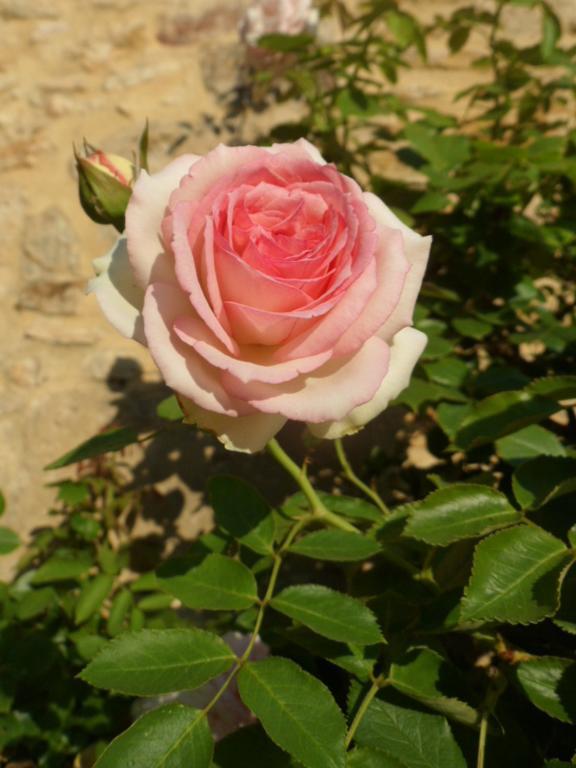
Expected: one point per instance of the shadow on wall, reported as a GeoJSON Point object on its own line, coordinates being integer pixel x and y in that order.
{"type": "Point", "coordinates": [175, 465]}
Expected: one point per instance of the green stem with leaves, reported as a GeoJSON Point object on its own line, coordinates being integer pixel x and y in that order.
{"type": "Point", "coordinates": [377, 683]}
{"type": "Point", "coordinates": [278, 559]}
{"type": "Point", "coordinates": [355, 480]}
{"type": "Point", "coordinates": [317, 508]}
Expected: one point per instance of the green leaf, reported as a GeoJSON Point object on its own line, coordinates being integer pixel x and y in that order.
{"type": "Point", "coordinates": [157, 602]}
{"type": "Point", "coordinates": [121, 604]}
{"type": "Point", "coordinates": [406, 31]}
{"type": "Point", "coordinates": [284, 43]}
{"type": "Point", "coordinates": [449, 372]}
{"type": "Point", "coordinates": [63, 566]}
{"type": "Point", "coordinates": [566, 616]}
{"type": "Point", "coordinates": [339, 546]}
{"type": "Point", "coordinates": [329, 613]}
{"type": "Point", "coordinates": [170, 737]}
{"type": "Point", "coordinates": [87, 645]}
{"type": "Point", "coordinates": [554, 387]}
{"type": "Point", "coordinates": [114, 440]}
{"type": "Point", "coordinates": [515, 577]}
{"type": "Point", "coordinates": [415, 739]}
{"type": "Point", "coordinates": [419, 393]}
{"type": "Point", "coordinates": [243, 513]}
{"type": "Point", "coordinates": [528, 443]}
{"type": "Point", "coordinates": [459, 511]}
{"type": "Point", "coordinates": [551, 31]}
{"type": "Point", "coordinates": [9, 541]}
{"type": "Point", "coordinates": [2, 504]}
{"type": "Point", "coordinates": [92, 595]}
{"type": "Point", "coordinates": [86, 526]}
{"type": "Point", "coordinates": [73, 493]}
{"type": "Point", "coordinates": [217, 584]}
{"type": "Point", "coordinates": [358, 660]}
{"type": "Point", "coordinates": [169, 409]}
{"type": "Point", "coordinates": [430, 202]}
{"type": "Point", "coordinates": [471, 328]}
{"type": "Point", "coordinates": [296, 710]}
{"type": "Point", "coordinates": [35, 602]}
{"type": "Point", "coordinates": [458, 38]}
{"type": "Point", "coordinates": [550, 684]}
{"type": "Point", "coordinates": [347, 506]}
{"type": "Point", "coordinates": [450, 417]}
{"type": "Point", "coordinates": [424, 675]}
{"type": "Point", "coordinates": [542, 479]}
{"type": "Point", "coordinates": [155, 661]}
{"type": "Point", "coordinates": [500, 415]}
{"type": "Point", "coordinates": [442, 152]}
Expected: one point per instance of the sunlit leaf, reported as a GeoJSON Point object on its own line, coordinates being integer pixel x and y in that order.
{"type": "Point", "coordinates": [330, 613]}
{"type": "Point", "coordinates": [515, 577]}
{"type": "Point", "coordinates": [155, 661]}
{"type": "Point", "coordinates": [459, 511]}
{"type": "Point", "coordinates": [296, 710]}
{"type": "Point", "coordinates": [170, 737]}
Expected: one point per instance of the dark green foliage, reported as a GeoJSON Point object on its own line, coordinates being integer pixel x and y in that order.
{"type": "Point", "coordinates": [395, 639]}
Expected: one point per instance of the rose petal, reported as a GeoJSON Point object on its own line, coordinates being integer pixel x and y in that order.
{"type": "Point", "coordinates": [240, 282]}
{"type": "Point", "coordinates": [117, 293]}
{"type": "Point", "coordinates": [219, 326]}
{"type": "Point", "coordinates": [407, 346]}
{"type": "Point", "coordinates": [194, 332]}
{"type": "Point", "coordinates": [146, 209]}
{"type": "Point", "coordinates": [330, 393]}
{"type": "Point", "coordinates": [325, 332]}
{"type": "Point", "coordinates": [246, 434]}
{"type": "Point", "coordinates": [392, 269]}
{"type": "Point", "coordinates": [302, 145]}
{"type": "Point", "coordinates": [181, 367]}
{"type": "Point", "coordinates": [417, 249]}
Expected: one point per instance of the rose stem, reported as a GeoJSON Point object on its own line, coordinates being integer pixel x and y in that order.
{"type": "Point", "coordinates": [317, 508]}
{"type": "Point", "coordinates": [353, 477]}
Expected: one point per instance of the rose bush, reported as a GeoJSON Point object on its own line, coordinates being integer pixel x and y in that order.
{"type": "Point", "coordinates": [267, 286]}
{"type": "Point", "coordinates": [287, 17]}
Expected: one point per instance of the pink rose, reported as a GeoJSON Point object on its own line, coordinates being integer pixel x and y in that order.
{"type": "Point", "coordinates": [267, 286]}
{"type": "Point", "coordinates": [286, 17]}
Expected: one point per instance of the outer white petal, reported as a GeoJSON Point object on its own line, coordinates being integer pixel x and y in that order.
{"type": "Point", "coordinates": [119, 296]}
{"type": "Point", "coordinates": [417, 249]}
{"type": "Point", "coordinates": [247, 434]}
{"type": "Point", "coordinates": [407, 346]}
{"type": "Point", "coordinates": [144, 215]}
{"type": "Point", "coordinates": [304, 145]}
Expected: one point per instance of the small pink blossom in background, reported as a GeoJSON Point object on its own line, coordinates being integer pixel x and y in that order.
{"type": "Point", "coordinates": [267, 287]}
{"type": "Point", "coordinates": [229, 714]}
{"type": "Point", "coordinates": [286, 17]}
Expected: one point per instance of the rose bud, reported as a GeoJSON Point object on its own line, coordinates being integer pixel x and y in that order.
{"type": "Point", "coordinates": [267, 287]}
{"type": "Point", "coordinates": [105, 185]}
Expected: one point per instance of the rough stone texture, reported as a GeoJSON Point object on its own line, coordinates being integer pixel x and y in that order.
{"type": "Point", "coordinates": [98, 69]}
{"type": "Point", "coordinates": [50, 264]}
